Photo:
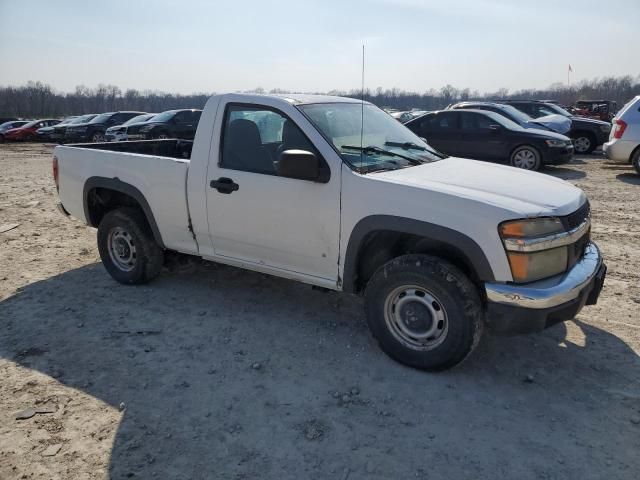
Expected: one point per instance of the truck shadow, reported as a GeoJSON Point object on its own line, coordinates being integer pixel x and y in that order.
{"type": "Point", "coordinates": [232, 374]}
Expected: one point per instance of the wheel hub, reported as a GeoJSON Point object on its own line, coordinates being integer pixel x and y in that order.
{"type": "Point", "coordinates": [416, 318]}
{"type": "Point", "coordinates": [122, 250]}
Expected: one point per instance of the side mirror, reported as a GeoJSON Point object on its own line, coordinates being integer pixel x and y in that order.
{"type": "Point", "coordinates": [299, 164]}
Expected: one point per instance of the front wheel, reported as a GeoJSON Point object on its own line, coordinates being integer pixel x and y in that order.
{"type": "Point", "coordinates": [583, 143]}
{"type": "Point", "coordinates": [424, 312]}
{"type": "Point", "coordinates": [526, 157]}
{"type": "Point", "coordinates": [127, 248]}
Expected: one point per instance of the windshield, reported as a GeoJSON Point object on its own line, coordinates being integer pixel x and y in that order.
{"type": "Point", "coordinates": [164, 116]}
{"type": "Point", "coordinates": [367, 138]}
{"type": "Point", "coordinates": [554, 109]}
{"type": "Point", "coordinates": [521, 117]}
{"type": "Point", "coordinates": [29, 125]}
{"type": "Point", "coordinates": [103, 117]}
{"type": "Point", "coordinates": [139, 118]}
{"type": "Point", "coordinates": [82, 119]}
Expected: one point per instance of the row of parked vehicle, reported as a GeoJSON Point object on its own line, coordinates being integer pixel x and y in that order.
{"type": "Point", "coordinates": [105, 127]}
{"type": "Point", "coordinates": [526, 133]}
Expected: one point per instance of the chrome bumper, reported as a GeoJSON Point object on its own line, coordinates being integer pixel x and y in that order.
{"type": "Point", "coordinates": [550, 292]}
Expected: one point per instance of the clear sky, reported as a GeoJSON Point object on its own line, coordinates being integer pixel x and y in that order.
{"type": "Point", "coordinates": [308, 45]}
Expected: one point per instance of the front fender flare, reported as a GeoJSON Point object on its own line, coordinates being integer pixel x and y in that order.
{"type": "Point", "coordinates": [472, 252]}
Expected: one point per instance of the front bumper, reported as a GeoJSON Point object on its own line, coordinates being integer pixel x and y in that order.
{"type": "Point", "coordinates": [557, 155]}
{"type": "Point", "coordinates": [513, 308]}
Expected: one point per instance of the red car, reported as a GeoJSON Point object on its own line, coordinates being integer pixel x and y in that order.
{"type": "Point", "coordinates": [28, 131]}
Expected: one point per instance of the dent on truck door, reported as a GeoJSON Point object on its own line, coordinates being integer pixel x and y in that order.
{"type": "Point", "coordinates": [258, 217]}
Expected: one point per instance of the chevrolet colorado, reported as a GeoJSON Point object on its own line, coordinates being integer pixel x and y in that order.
{"type": "Point", "coordinates": [335, 193]}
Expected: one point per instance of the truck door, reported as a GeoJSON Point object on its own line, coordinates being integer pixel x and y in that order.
{"type": "Point", "coordinates": [260, 219]}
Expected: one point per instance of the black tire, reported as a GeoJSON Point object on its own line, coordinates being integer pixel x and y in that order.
{"type": "Point", "coordinates": [140, 259]}
{"type": "Point", "coordinates": [635, 160]}
{"type": "Point", "coordinates": [455, 319]}
{"type": "Point", "coordinates": [97, 137]}
{"type": "Point", "coordinates": [531, 158]}
{"type": "Point", "coordinates": [583, 143]}
{"type": "Point", "coordinates": [2, 138]}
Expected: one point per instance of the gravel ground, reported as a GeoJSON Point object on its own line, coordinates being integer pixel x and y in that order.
{"type": "Point", "coordinates": [223, 373]}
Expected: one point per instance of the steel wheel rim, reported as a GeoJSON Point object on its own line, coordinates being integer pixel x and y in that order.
{"type": "Point", "coordinates": [582, 144]}
{"type": "Point", "coordinates": [98, 138]}
{"type": "Point", "coordinates": [122, 249]}
{"type": "Point", "coordinates": [524, 158]}
{"type": "Point", "coordinates": [162, 136]}
{"type": "Point", "coordinates": [415, 317]}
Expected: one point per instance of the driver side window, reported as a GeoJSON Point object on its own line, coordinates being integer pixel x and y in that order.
{"type": "Point", "coordinates": [254, 137]}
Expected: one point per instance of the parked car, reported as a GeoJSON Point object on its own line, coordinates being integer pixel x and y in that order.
{"type": "Point", "coordinates": [9, 125]}
{"type": "Point", "coordinates": [485, 135]}
{"type": "Point", "coordinates": [44, 134]}
{"type": "Point", "coordinates": [555, 123]}
{"type": "Point", "coordinates": [603, 110]}
{"type": "Point", "coordinates": [335, 193]}
{"type": "Point", "coordinates": [60, 130]}
{"type": "Point", "coordinates": [7, 119]}
{"type": "Point", "coordinates": [169, 124]}
{"type": "Point", "coordinates": [118, 133]}
{"type": "Point", "coordinates": [624, 141]}
{"type": "Point", "coordinates": [28, 130]}
{"type": "Point", "coordinates": [587, 134]}
{"type": "Point", "coordinates": [94, 130]}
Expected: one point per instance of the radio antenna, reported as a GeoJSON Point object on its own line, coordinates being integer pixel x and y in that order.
{"type": "Point", "coordinates": [362, 110]}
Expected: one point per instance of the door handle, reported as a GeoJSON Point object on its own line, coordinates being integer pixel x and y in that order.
{"type": "Point", "coordinates": [224, 185]}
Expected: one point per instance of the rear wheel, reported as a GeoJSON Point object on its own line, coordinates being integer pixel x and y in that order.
{"type": "Point", "coordinates": [127, 248]}
{"type": "Point", "coordinates": [635, 160]}
{"type": "Point", "coordinates": [424, 312]}
{"type": "Point", "coordinates": [583, 143]}
{"type": "Point", "coordinates": [526, 157]}
{"type": "Point", "coordinates": [163, 136]}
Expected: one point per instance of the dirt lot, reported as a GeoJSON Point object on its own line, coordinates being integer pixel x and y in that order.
{"type": "Point", "coordinates": [222, 373]}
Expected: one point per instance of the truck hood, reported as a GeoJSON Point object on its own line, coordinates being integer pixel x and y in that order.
{"type": "Point", "coordinates": [555, 122]}
{"type": "Point", "coordinates": [524, 193]}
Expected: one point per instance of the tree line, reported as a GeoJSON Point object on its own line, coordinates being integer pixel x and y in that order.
{"type": "Point", "coordinates": [39, 100]}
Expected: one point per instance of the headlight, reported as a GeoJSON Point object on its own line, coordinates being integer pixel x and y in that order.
{"type": "Point", "coordinates": [532, 227]}
{"type": "Point", "coordinates": [556, 143]}
{"type": "Point", "coordinates": [527, 263]}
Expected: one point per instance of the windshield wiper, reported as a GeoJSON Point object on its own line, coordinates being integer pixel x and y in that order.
{"type": "Point", "coordinates": [375, 149]}
{"type": "Point", "coordinates": [406, 145]}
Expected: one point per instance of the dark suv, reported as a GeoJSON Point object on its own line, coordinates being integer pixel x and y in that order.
{"type": "Point", "coordinates": [94, 130]}
{"type": "Point", "coordinates": [170, 124]}
{"type": "Point", "coordinates": [586, 134]}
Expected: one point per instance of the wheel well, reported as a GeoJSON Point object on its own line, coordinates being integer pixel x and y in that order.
{"type": "Point", "coordinates": [100, 201]}
{"type": "Point", "coordinates": [381, 246]}
{"type": "Point", "coordinates": [528, 145]}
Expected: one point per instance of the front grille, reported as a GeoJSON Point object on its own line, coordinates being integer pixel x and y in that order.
{"type": "Point", "coordinates": [572, 221]}
{"type": "Point", "coordinates": [575, 219]}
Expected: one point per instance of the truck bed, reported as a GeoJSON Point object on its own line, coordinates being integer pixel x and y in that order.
{"type": "Point", "coordinates": [156, 168]}
{"type": "Point", "coordinates": [172, 148]}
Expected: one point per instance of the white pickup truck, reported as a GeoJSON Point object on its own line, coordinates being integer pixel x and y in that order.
{"type": "Point", "coordinates": [335, 193]}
